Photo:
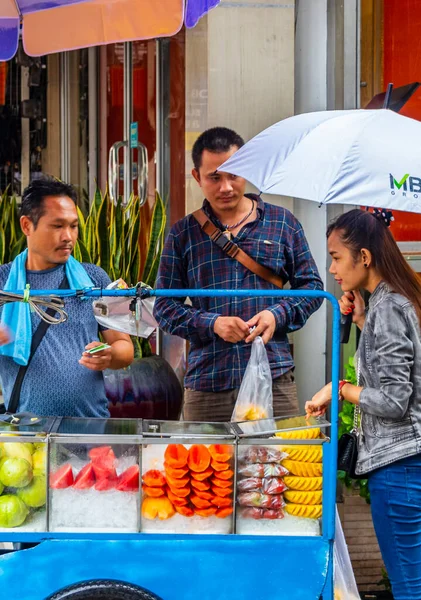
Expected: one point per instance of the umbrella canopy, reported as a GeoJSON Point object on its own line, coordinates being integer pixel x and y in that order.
{"type": "Point", "coordinates": [356, 157]}
{"type": "Point", "coordinates": [55, 25]}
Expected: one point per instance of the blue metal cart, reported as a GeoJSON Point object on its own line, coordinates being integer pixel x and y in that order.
{"type": "Point", "coordinates": [183, 567]}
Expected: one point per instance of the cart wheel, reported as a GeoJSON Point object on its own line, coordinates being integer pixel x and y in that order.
{"type": "Point", "coordinates": [103, 589]}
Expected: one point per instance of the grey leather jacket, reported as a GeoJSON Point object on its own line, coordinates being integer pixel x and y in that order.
{"type": "Point", "coordinates": [389, 357]}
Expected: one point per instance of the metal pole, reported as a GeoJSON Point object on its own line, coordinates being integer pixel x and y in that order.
{"type": "Point", "coordinates": [128, 117]}
{"type": "Point", "coordinates": [64, 117]}
{"type": "Point", "coordinates": [92, 119]}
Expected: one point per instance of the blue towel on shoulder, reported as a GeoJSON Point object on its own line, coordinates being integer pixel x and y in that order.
{"type": "Point", "coordinates": [16, 315]}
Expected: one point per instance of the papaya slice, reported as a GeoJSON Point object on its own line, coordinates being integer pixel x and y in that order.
{"type": "Point", "coordinates": [186, 511]}
{"type": "Point", "coordinates": [200, 502]}
{"type": "Point", "coordinates": [182, 492]}
{"type": "Point", "coordinates": [221, 513]}
{"type": "Point", "coordinates": [178, 483]}
{"type": "Point", "coordinates": [199, 458]}
{"type": "Point", "coordinates": [200, 485]}
{"type": "Point", "coordinates": [175, 473]}
{"type": "Point", "coordinates": [153, 492]}
{"type": "Point", "coordinates": [205, 512]}
{"type": "Point", "coordinates": [220, 482]}
{"type": "Point", "coordinates": [205, 495]}
{"type": "Point", "coordinates": [221, 491]}
{"type": "Point", "coordinates": [219, 466]}
{"type": "Point", "coordinates": [176, 456]}
{"type": "Point", "coordinates": [221, 452]}
{"type": "Point", "coordinates": [221, 502]}
{"type": "Point", "coordinates": [224, 474]}
{"type": "Point", "coordinates": [176, 500]}
{"type": "Point", "coordinates": [157, 507]}
{"type": "Point", "coordinates": [153, 478]}
{"type": "Point", "coordinates": [203, 475]}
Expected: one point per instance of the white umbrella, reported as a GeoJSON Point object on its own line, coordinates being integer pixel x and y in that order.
{"type": "Point", "coordinates": [356, 157]}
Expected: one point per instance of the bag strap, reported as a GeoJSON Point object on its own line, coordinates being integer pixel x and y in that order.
{"type": "Point", "coordinates": [36, 340]}
{"type": "Point", "coordinates": [357, 411]}
{"type": "Point", "coordinates": [234, 251]}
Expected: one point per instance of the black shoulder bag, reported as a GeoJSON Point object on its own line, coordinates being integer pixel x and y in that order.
{"type": "Point", "coordinates": [36, 340]}
{"type": "Point", "coordinates": [348, 443]}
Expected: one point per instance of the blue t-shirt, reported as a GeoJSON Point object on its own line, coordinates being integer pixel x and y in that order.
{"type": "Point", "coordinates": [55, 383]}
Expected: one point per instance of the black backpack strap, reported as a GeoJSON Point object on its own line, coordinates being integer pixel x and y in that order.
{"type": "Point", "coordinates": [36, 340]}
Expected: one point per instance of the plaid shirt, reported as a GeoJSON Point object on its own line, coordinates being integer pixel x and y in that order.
{"type": "Point", "coordinates": [190, 259]}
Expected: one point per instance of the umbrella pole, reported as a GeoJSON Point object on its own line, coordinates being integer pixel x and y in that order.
{"type": "Point", "coordinates": [388, 95]}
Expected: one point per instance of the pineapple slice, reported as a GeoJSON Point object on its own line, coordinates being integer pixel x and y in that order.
{"type": "Point", "coordinates": [301, 510]}
{"type": "Point", "coordinates": [303, 469]}
{"type": "Point", "coordinates": [300, 434]}
{"type": "Point", "coordinates": [303, 483]}
{"type": "Point", "coordinates": [303, 497]}
{"type": "Point", "coordinates": [311, 454]}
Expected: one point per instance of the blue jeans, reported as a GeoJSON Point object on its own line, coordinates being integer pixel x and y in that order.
{"type": "Point", "coordinates": [395, 493]}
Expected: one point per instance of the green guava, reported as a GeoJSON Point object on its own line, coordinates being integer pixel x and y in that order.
{"type": "Point", "coordinates": [15, 472]}
{"type": "Point", "coordinates": [13, 511]}
{"type": "Point", "coordinates": [35, 494]}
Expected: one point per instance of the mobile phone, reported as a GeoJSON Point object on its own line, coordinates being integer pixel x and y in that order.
{"type": "Point", "coordinates": [98, 348]}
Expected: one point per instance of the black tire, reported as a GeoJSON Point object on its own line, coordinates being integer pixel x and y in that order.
{"type": "Point", "coordinates": [103, 589]}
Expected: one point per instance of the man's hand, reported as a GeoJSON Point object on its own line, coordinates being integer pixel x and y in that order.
{"type": "Point", "coordinates": [264, 323]}
{"type": "Point", "coordinates": [231, 329]}
{"type": "Point", "coordinates": [5, 336]}
{"type": "Point", "coordinates": [98, 361]}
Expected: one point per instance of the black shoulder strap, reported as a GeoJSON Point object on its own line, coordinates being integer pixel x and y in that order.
{"type": "Point", "coordinates": [36, 340]}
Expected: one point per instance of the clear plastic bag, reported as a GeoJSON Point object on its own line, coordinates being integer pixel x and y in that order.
{"type": "Point", "coordinates": [262, 470]}
{"type": "Point", "coordinates": [255, 400]}
{"type": "Point", "coordinates": [344, 579]}
{"type": "Point", "coordinates": [262, 454]}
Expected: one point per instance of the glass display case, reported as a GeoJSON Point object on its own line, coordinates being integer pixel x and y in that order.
{"type": "Point", "coordinates": [23, 474]}
{"type": "Point", "coordinates": [94, 467]}
{"type": "Point", "coordinates": [188, 477]}
{"type": "Point", "coordinates": [279, 483]}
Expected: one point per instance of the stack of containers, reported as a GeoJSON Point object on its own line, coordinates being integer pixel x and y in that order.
{"type": "Point", "coordinates": [260, 484]}
{"type": "Point", "coordinates": [304, 482]}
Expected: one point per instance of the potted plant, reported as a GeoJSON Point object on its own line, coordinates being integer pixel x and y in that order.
{"type": "Point", "coordinates": [111, 236]}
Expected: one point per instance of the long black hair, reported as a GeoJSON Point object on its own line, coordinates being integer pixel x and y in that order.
{"type": "Point", "coordinates": [360, 229]}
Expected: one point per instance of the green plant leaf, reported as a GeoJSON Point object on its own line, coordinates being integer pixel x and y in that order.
{"type": "Point", "coordinates": [156, 234]}
{"type": "Point", "coordinates": [81, 223]}
{"type": "Point", "coordinates": [76, 251]}
{"type": "Point", "coordinates": [102, 236]}
{"type": "Point", "coordinates": [18, 247]}
{"type": "Point", "coordinates": [2, 246]}
{"type": "Point", "coordinates": [135, 268]}
{"type": "Point", "coordinates": [86, 258]}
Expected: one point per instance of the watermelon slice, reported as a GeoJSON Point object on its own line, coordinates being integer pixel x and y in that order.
{"type": "Point", "coordinates": [103, 485]}
{"type": "Point", "coordinates": [103, 456]}
{"type": "Point", "coordinates": [62, 478]}
{"type": "Point", "coordinates": [129, 480]}
{"type": "Point", "coordinates": [85, 478]}
{"type": "Point", "coordinates": [103, 471]}
{"type": "Point", "coordinates": [99, 451]}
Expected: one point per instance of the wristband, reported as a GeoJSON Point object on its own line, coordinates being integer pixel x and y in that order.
{"type": "Point", "coordinates": [341, 385]}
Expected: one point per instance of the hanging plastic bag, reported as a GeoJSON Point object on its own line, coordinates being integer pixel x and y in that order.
{"type": "Point", "coordinates": [117, 312]}
{"type": "Point", "coordinates": [255, 399]}
{"type": "Point", "coordinates": [344, 579]}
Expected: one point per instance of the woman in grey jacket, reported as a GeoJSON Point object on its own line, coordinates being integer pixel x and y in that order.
{"type": "Point", "coordinates": [365, 256]}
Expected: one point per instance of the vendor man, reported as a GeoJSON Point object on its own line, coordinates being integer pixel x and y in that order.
{"type": "Point", "coordinates": [61, 379]}
{"type": "Point", "coordinates": [220, 330]}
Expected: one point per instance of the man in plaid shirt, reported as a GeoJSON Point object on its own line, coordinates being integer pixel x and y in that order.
{"type": "Point", "coordinates": [219, 329]}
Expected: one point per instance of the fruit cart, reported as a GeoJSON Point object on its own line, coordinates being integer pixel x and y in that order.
{"type": "Point", "coordinates": [171, 510]}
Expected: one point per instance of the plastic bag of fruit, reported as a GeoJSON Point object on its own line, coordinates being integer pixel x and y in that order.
{"type": "Point", "coordinates": [255, 400]}
{"type": "Point", "coordinates": [344, 579]}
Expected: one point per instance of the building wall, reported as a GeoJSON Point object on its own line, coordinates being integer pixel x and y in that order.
{"type": "Point", "coordinates": [239, 73]}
